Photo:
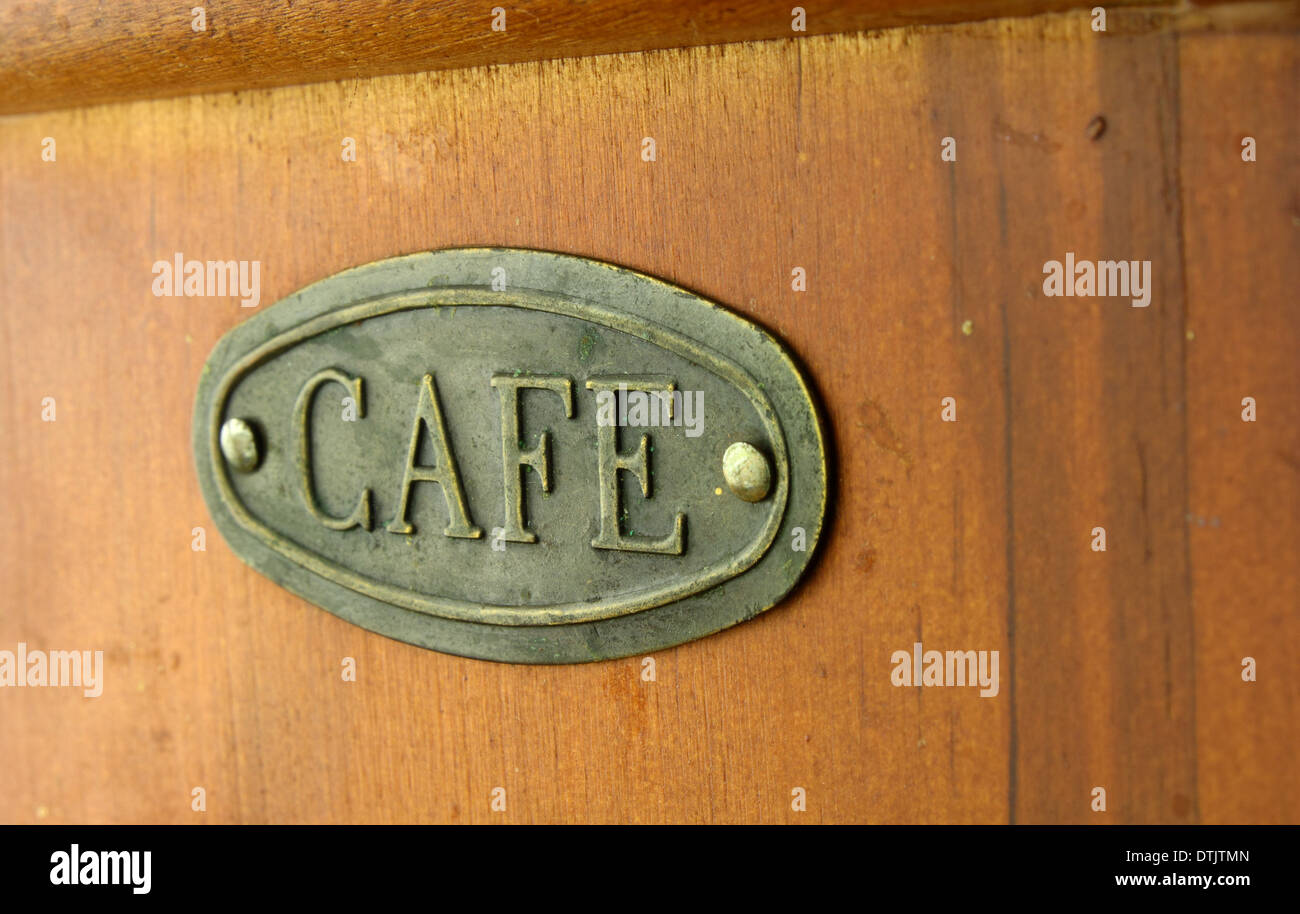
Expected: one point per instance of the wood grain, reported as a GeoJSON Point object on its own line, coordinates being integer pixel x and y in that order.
{"type": "Point", "coordinates": [64, 53]}
{"type": "Point", "coordinates": [1244, 487]}
{"type": "Point", "coordinates": [1119, 669]}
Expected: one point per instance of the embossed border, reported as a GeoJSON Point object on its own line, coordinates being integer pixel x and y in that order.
{"type": "Point", "coordinates": [740, 598]}
{"type": "Point", "coordinates": [495, 614]}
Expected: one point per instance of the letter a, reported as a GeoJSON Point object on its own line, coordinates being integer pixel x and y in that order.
{"type": "Point", "coordinates": [429, 415]}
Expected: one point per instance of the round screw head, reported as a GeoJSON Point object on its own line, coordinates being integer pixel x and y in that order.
{"type": "Point", "coordinates": [239, 445]}
{"type": "Point", "coordinates": [746, 471]}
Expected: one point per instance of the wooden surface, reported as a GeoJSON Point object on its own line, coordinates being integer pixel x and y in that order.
{"type": "Point", "coordinates": [65, 53]}
{"type": "Point", "coordinates": [1119, 669]}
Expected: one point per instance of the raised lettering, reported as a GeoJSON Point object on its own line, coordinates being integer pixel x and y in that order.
{"type": "Point", "coordinates": [429, 415]}
{"type": "Point", "coordinates": [610, 461]}
{"type": "Point", "coordinates": [514, 459]}
{"type": "Point", "coordinates": [360, 516]}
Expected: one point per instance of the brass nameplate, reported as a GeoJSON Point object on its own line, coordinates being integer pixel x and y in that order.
{"type": "Point", "coordinates": [513, 455]}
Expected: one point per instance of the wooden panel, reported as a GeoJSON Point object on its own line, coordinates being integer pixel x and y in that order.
{"type": "Point", "coordinates": [1242, 259]}
{"type": "Point", "coordinates": [1119, 669]}
{"type": "Point", "coordinates": [61, 53]}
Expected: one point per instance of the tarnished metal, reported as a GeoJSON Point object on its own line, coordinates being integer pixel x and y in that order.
{"type": "Point", "coordinates": [239, 445]}
{"type": "Point", "coordinates": [746, 471]}
{"type": "Point", "coordinates": [513, 455]}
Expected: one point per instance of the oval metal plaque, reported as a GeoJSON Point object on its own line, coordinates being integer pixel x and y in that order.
{"type": "Point", "coordinates": [513, 455]}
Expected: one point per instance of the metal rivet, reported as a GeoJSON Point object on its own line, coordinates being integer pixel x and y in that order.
{"type": "Point", "coordinates": [746, 471]}
{"type": "Point", "coordinates": [239, 445]}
